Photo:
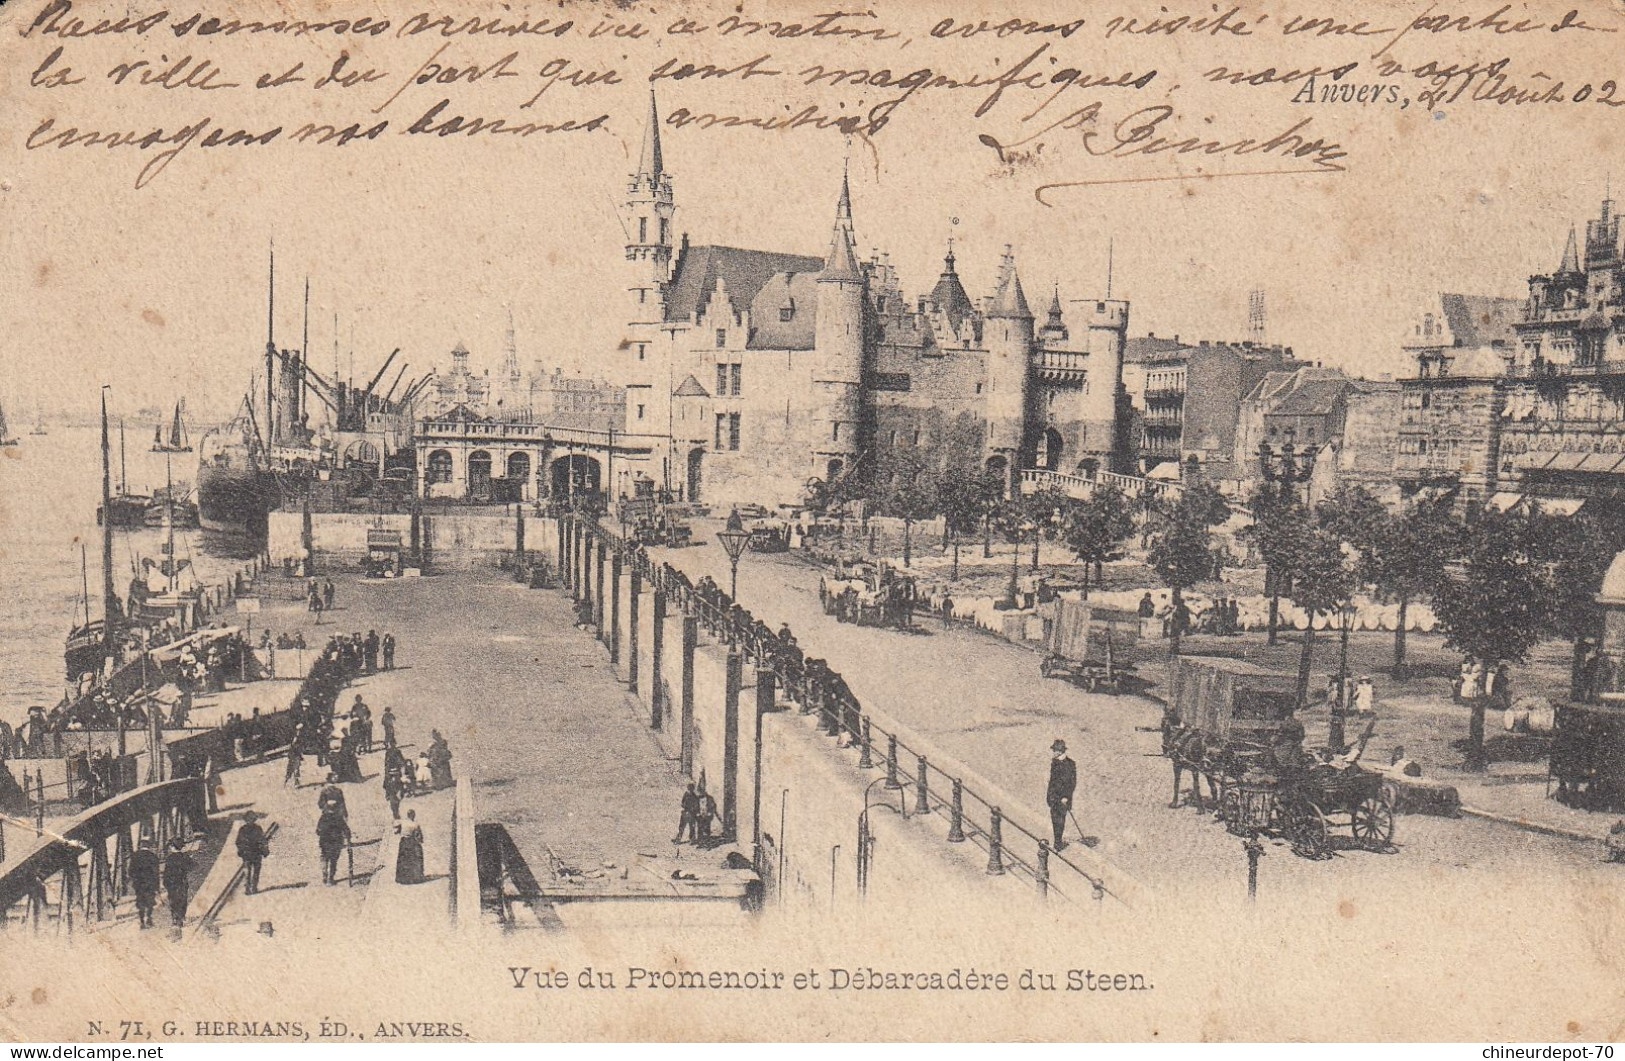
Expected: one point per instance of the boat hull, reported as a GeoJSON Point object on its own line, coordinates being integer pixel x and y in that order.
{"type": "Point", "coordinates": [236, 500]}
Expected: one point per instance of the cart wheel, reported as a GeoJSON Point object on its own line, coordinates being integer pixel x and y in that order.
{"type": "Point", "coordinates": [1308, 831]}
{"type": "Point", "coordinates": [1373, 822]}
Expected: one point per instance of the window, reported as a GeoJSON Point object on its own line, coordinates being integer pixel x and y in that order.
{"type": "Point", "coordinates": [916, 436]}
{"type": "Point", "coordinates": [640, 411]}
{"type": "Point", "coordinates": [722, 430]}
{"type": "Point", "coordinates": [643, 293]}
{"type": "Point", "coordinates": [722, 338]}
{"type": "Point", "coordinates": [722, 381]}
{"type": "Point", "coordinates": [733, 431]}
{"type": "Point", "coordinates": [835, 431]}
{"type": "Point", "coordinates": [734, 373]}
{"type": "Point", "coordinates": [643, 351]}
{"type": "Point", "coordinates": [665, 230]}
{"type": "Point", "coordinates": [643, 230]}
{"type": "Point", "coordinates": [787, 312]}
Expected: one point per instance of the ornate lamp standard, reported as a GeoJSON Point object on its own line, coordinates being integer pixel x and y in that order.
{"type": "Point", "coordinates": [1284, 470]}
{"type": "Point", "coordinates": [734, 538]}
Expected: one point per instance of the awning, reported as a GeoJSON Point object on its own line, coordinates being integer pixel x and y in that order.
{"type": "Point", "coordinates": [1559, 506]}
{"type": "Point", "coordinates": [1600, 463]}
{"type": "Point", "coordinates": [1531, 461]}
{"type": "Point", "coordinates": [1503, 501]}
{"type": "Point", "coordinates": [1566, 462]}
{"type": "Point", "coordinates": [1167, 471]}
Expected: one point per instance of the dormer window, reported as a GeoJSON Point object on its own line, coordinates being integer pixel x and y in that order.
{"type": "Point", "coordinates": [787, 313]}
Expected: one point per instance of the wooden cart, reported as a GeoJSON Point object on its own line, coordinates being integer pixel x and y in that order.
{"type": "Point", "coordinates": [1090, 646]}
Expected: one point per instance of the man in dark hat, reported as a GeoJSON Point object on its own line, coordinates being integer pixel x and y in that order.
{"type": "Point", "coordinates": [178, 881]}
{"type": "Point", "coordinates": [252, 847]}
{"type": "Point", "coordinates": [1063, 781]}
{"type": "Point", "coordinates": [145, 873]}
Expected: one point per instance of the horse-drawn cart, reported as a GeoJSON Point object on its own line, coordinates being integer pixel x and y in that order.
{"type": "Point", "coordinates": [1090, 646]}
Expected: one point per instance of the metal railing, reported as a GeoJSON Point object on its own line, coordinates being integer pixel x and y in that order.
{"type": "Point", "coordinates": [815, 689]}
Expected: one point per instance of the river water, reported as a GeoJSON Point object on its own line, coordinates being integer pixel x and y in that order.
{"type": "Point", "coordinates": [50, 486]}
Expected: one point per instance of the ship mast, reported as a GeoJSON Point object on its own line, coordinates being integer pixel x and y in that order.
{"type": "Point", "coordinates": [110, 605]}
{"type": "Point", "coordinates": [169, 524]}
{"type": "Point", "coordinates": [270, 353]}
{"type": "Point", "coordinates": [123, 469]}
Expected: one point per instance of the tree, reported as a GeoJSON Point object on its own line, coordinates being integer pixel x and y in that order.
{"type": "Point", "coordinates": [907, 494]}
{"type": "Point", "coordinates": [1495, 610]}
{"type": "Point", "coordinates": [1277, 522]}
{"type": "Point", "coordinates": [1095, 529]}
{"type": "Point", "coordinates": [966, 499]}
{"type": "Point", "coordinates": [1012, 519]}
{"type": "Point", "coordinates": [1046, 513]}
{"type": "Point", "coordinates": [1181, 551]}
{"type": "Point", "coordinates": [1406, 560]}
{"type": "Point", "coordinates": [1322, 566]}
{"type": "Point", "coordinates": [1580, 548]}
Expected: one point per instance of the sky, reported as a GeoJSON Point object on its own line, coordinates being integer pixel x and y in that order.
{"type": "Point", "coordinates": [421, 243]}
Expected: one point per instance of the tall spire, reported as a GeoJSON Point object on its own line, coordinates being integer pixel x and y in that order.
{"type": "Point", "coordinates": [843, 208]}
{"type": "Point", "coordinates": [649, 162]}
{"type": "Point", "coordinates": [1571, 255]}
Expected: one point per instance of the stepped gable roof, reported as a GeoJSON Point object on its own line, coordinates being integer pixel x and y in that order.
{"type": "Point", "coordinates": [743, 272]}
{"type": "Point", "coordinates": [1480, 320]}
{"type": "Point", "coordinates": [691, 388]}
{"type": "Point", "coordinates": [796, 292]}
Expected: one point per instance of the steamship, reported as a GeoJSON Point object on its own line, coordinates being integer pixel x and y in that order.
{"type": "Point", "coordinates": [271, 457]}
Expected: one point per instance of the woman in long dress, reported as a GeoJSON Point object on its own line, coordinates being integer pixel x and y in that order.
{"type": "Point", "coordinates": [409, 857]}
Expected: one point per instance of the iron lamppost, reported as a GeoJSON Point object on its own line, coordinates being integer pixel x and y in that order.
{"type": "Point", "coordinates": [734, 538]}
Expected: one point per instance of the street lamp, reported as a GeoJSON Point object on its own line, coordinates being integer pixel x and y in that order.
{"type": "Point", "coordinates": [1283, 470]}
{"type": "Point", "coordinates": [734, 538]}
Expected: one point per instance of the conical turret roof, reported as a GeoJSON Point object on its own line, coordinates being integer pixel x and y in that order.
{"type": "Point", "coordinates": [1571, 255]}
{"type": "Point", "coordinates": [649, 162]}
{"type": "Point", "coordinates": [842, 263]}
{"type": "Point", "coordinates": [1011, 300]}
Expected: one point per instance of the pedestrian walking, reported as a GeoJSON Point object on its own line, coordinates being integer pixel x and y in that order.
{"type": "Point", "coordinates": [178, 881]}
{"type": "Point", "coordinates": [328, 595]}
{"type": "Point", "coordinates": [1063, 782]}
{"type": "Point", "coordinates": [296, 759]}
{"type": "Point", "coordinates": [439, 762]}
{"type": "Point", "coordinates": [394, 780]}
{"type": "Point", "coordinates": [252, 847]}
{"type": "Point", "coordinates": [388, 647]}
{"type": "Point", "coordinates": [145, 875]}
{"type": "Point", "coordinates": [947, 610]}
{"type": "Point", "coordinates": [409, 855]}
{"type": "Point", "coordinates": [332, 836]}
{"type": "Point", "coordinates": [708, 815]}
{"type": "Point", "coordinates": [688, 822]}
{"type": "Point", "coordinates": [369, 650]}
{"type": "Point", "coordinates": [388, 721]}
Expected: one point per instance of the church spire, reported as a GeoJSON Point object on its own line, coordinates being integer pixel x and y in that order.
{"type": "Point", "coordinates": [842, 263]}
{"type": "Point", "coordinates": [1571, 256]}
{"type": "Point", "coordinates": [650, 165]}
{"type": "Point", "coordinates": [843, 208]}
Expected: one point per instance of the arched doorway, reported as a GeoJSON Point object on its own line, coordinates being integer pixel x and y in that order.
{"type": "Point", "coordinates": [1049, 450]}
{"type": "Point", "coordinates": [519, 473]}
{"type": "Point", "coordinates": [1088, 467]}
{"type": "Point", "coordinates": [573, 474]}
{"type": "Point", "coordinates": [439, 467]}
{"type": "Point", "coordinates": [363, 453]}
{"type": "Point", "coordinates": [999, 468]}
{"type": "Point", "coordinates": [479, 475]}
{"type": "Point", "coordinates": [696, 473]}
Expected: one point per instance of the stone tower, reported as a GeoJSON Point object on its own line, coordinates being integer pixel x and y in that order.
{"type": "Point", "coordinates": [1101, 404]}
{"type": "Point", "coordinates": [1009, 341]}
{"type": "Point", "coordinates": [839, 341]}
{"type": "Point", "coordinates": [649, 209]}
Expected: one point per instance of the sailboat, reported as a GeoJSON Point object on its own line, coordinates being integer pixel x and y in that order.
{"type": "Point", "coordinates": [177, 441]}
{"type": "Point", "coordinates": [95, 640]}
{"type": "Point", "coordinates": [6, 438]}
{"type": "Point", "coordinates": [128, 510]}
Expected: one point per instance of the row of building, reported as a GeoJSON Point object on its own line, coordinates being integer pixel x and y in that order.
{"type": "Point", "coordinates": [746, 375]}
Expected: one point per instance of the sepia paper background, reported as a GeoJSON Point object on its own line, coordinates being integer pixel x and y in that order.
{"type": "Point", "coordinates": [154, 283]}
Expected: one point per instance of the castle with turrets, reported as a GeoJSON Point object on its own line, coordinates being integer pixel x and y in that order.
{"type": "Point", "coordinates": [751, 373]}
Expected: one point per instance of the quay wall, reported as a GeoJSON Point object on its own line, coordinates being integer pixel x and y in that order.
{"type": "Point", "coordinates": [453, 539]}
{"type": "Point", "coordinates": [813, 792]}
